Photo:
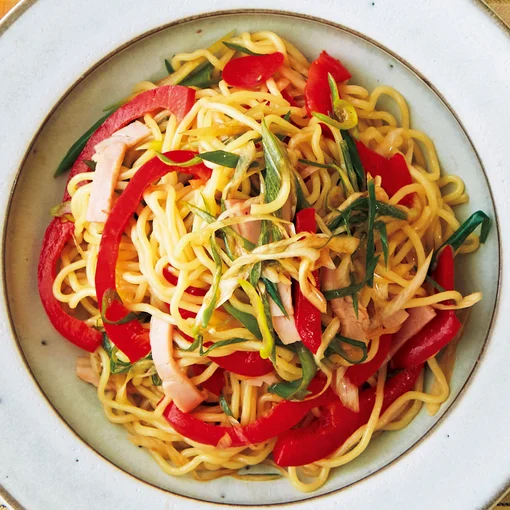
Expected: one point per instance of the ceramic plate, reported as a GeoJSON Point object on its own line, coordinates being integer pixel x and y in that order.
{"type": "Point", "coordinates": [57, 449]}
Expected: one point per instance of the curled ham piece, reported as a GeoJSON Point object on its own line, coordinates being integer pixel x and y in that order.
{"type": "Point", "coordinates": [85, 372]}
{"type": "Point", "coordinates": [284, 326]}
{"type": "Point", "coordinates": [176, 384]}
{"type": "Point", "coordinates": [250, 229]}
{"type": "Point", "coordinates": [351, 326]}
{"type": "Point", "coordinates": [130, 135]}
{"type": "Point", "coordinates": [106, 174]}
{"type": "Point", "coordinates": [347, 392]}
{"type": "Point", "coordinates": [109, 157]}
{"type": "Point", "coordinates": [417, 319]}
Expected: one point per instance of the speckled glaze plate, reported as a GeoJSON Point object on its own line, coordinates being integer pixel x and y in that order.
{"type": "Point", "coordinates": [61, 63]}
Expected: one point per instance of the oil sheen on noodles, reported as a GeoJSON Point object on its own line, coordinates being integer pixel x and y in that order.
{"type": "Point", "coordinates": [169, 232]}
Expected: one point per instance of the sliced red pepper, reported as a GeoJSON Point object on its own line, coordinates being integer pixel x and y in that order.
{"type": "Point", "coordinates": [215, 383]}
{"type": "Point", "coordinates": [249, 364]}
{"type": "Point", "coordinates": [251, 71]}
{"type": "Point", "coordinates": [131, 337]}
{"type": "Point", "coordinates": [282, 417]}
{"type": "Point", "coordinates": [173, 280]}
{"type": "Point", "coordinates": [307, 316]}
{"type": "Point", "coordinates": [317, 91]}
{"type": "Point", "coordinates": [57, 235]}
{"type": "Point", "coordinates": [394, 172]}
{"type": "Point", "coordinates": [441, 330]}
{"type": "Point", "coordinates": [288, 97]}
{"type": "Point", "coordinates": [175, 98]}
{"type": "Point", "coordinates": [301, 446]}
{"type": "Point", "coordinates": [444, 273]}
{"type": "Point", "coordinates": [358, 374]}
{"type": "Point", "coordinates": [438, 333]}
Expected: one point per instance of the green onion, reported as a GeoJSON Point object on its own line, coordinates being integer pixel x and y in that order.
{"type": "Point", "coordinates": [301, 201]}
{"type": "Point", "coordinates": [78, 146]}
{"type": "Point", "coordinates": [239, 48]}
{"type": "Point", "coordinates": [380, 226]}
{"type": "Point", "coordinates": [343, 292]}
{"type": "Point", "coordinates": [260, 315]}
{"type": "Point", "coordinates": [211, 298]}
{"type": "Point", "coordinates": [355, 159]}
{"type": "Point", "coordinates": [184, 164]}
{"type": "Point", "coordinates": [221, 343]}
{"type": "Point", "coordinates": [297, 389]}
{"type": "Point", "coordinates": [457, 239]}
{"type": "Point", "coordinates": [246, 319]}
{"type": "Point", "coordinates": [389, 210]}
{"type": "Point", "coordinates": [353, 178]}
{"type": "Point", "coordinates": [201, 77]}
{"type": "Point", "coordinates": [351, 289]}
{"type": "Point", "coordinates": [247, 245]}
{"type": "Point", "coordinates": [109, 297]}
{"type": "Point", "coordinates": [370, 233]}
{"type": "Point", "coordinates": [156, 380]}
{"type": "Point", "coordinates": [169, 68]}
{"type": "Point", "coordinates": [328, 120]}
{"type": "Point", "coordinates": [273, 291]}
{"type": "Point", "coordinates": [222, 158]}
{"type": "Point", "coordinates": [313, 163]}
{"type": "Point", "coordinates": [434, 284]}
{"type": "Point", "coordinates": [351, 350]}
{"type": "Point", "coordinates": [117, 366]}
{"type": "Point", "coordinates": [91, 164]}
{"type": "Point", "coordinates": [224, 406]}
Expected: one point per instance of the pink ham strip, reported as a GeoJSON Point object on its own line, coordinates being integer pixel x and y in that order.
{"type": "Point", "coordinates": [350, 325]}
{"type": "Point", "coordinates": [130, 135]}
{"type": "Point", "coordinates": [85, 373]}
{"type": "Point", "coordinates": [106, 174]}
{"type": "Point", "coordinates": [418, 318]}
{"type": "Point", "coordinates": [284, 326]}
{"type": "Point", "coordinates": [249, 230]}
{"type": "Point", "coordinates": [176, 384]}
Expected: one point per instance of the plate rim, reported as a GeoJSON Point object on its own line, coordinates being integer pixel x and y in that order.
{"type": "Point", "coordinates": [25, 5]}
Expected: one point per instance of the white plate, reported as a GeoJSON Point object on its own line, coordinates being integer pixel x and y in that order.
{"type": "Point", "coordinates": [45, 464]}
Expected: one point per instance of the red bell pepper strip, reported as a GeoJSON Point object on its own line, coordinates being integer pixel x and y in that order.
{"type": "Point", "coordinates": [57, 235]}
{"type": "Point", "coordinates": [444, 272]}
{"type": "Point", "coordinates": [301, 446]}
{"type": "Point", "coordinates": [358, 374]}
{"type": "Point", "coordinates": [394, 172]}
{"type": "Point", "coordinates": [249, 364]}
{"type": "Point", "coordinates": [175, 98]}
{"type": "Point", "coordinates": [441, 330]}
{"type": "Point", "coordinates": [131, 337]}
{"type": "Point", "coordinates": [288, 97]}
{"type": "Point", "coordinates": [282, 417]}
{"type": "Point", "coordinates": [307, 316]}
{"type": "Point", "coordinates": [317, 91]}
{"type": "Point", "coordinates": [173, 280]}
{"type": "Point", "coordinates": [215, 383]}
{"type": "Point", "coordinates": [250, 71]}
{"type": "Point", "coordinates": [438, 333]}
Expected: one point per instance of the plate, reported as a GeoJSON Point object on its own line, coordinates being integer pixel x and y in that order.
{"type": "Point", "coordinates": [54, 108]}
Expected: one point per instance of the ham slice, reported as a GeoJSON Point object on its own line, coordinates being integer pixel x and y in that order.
{"type": "Point", "coordinates": [351, 326]}
{"type": "Point", "coordinates": [130, 135]}
{"type": "Point", "coordinates": [284, 326]}
{"type": "Point", "coordinates": [176, 384]}
{"type": "Point", "coordinates": [85, 373]}
{"type": "Point", "coordinates": [249, 230]}
{"type": "Point", "coordinates": [106, 174]}
{"type": "Point", "coordinates": [418, 318]}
